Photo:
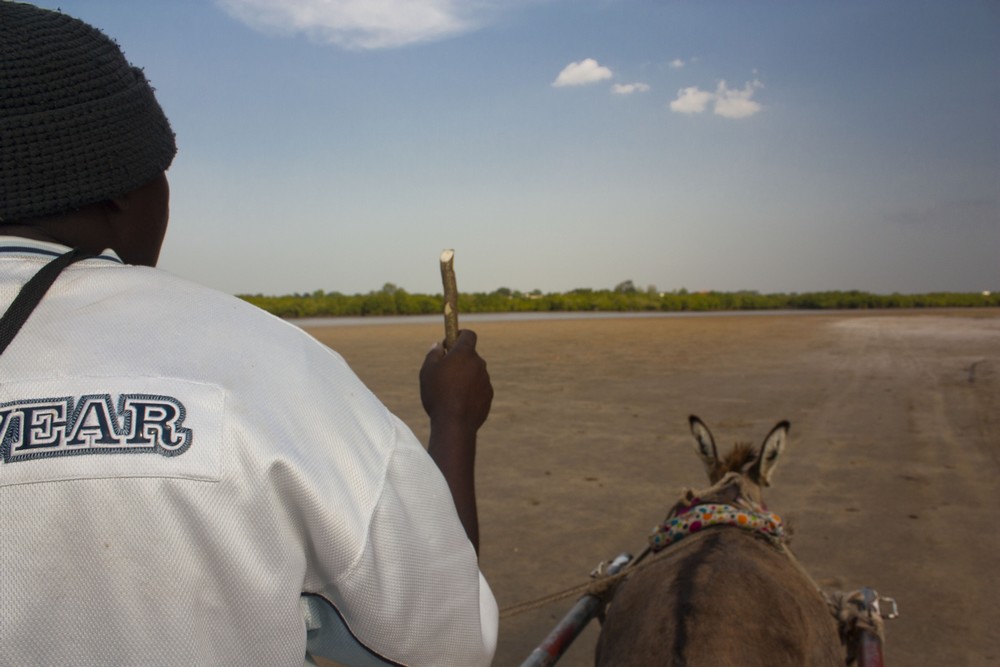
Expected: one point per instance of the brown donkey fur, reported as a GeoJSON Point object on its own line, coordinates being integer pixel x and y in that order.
{"type": "Point", "coordinates": [721, 596]}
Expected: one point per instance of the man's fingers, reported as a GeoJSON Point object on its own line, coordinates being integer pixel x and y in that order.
{"type": "Point", "coordinates": [434, 355]}
{"type": "Point", "coordinates": [466, 338]}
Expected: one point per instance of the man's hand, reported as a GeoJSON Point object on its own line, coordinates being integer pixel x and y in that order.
{"type": "Point", "coordinates": [456, 393]}
{"type": "Point", "coordinates": [454, 385]}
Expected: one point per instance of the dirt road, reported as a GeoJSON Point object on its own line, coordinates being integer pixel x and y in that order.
{"type": "Point", "coordinates": [892, 462]}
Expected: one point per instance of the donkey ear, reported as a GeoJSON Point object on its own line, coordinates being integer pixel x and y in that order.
{"type": "Point", "coordinates": [767, 460]}
{"type": "Point", "coordinates": [705, 444]}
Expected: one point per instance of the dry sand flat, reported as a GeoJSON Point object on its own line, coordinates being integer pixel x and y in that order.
{"type": "Point", "coordinates": [889, 478]}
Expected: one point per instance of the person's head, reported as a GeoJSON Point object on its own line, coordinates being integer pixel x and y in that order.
{"type": "Point", "coordinates": [84, 145]}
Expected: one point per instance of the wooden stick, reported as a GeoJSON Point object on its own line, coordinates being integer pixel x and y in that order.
{"type": "Point", "coordinates": [450, 298]}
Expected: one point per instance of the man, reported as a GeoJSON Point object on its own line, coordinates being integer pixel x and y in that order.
{"type": "Point", "coordinates": [185, 480]}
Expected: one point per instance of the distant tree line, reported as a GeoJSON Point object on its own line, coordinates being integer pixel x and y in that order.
{"type": "Point", "coordinates": [625, 297]}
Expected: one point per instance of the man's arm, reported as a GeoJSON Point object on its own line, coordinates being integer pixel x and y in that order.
{"type": "Point", "coordinates": [456, 393]}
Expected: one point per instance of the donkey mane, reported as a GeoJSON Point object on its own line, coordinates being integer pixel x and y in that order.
{"type": "Point", "coordinates": [737, 460]}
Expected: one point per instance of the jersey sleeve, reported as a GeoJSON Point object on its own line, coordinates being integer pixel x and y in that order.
{"type": "Point", "coordinates": [390, 575]}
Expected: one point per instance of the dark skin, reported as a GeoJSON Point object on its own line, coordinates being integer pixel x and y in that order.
{"type": "Point", "coordinates": [456, 393]}
{"type": "Point", "coordinates": [454, 387]}
{"type": "Point", "coordinates": [132, 224]}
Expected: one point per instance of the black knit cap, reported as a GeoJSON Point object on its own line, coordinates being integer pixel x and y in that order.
{"type": "Point", "coordinates": [78, 124]}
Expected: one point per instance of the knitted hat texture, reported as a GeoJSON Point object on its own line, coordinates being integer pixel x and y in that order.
{"type": "Point", "coordinates": [78, 124]}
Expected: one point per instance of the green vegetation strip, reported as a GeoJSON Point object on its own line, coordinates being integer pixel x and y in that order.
{"type": "Point", "coordinates": [393, 300]}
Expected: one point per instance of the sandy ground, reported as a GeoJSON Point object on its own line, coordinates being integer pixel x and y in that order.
{"type": "Point", "coordinates": [887, 480]}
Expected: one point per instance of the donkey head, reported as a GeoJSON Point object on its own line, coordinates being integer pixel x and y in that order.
{"type": "Point", "coordinates": [756, 466]}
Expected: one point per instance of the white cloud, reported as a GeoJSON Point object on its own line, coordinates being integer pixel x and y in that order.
{"type": "Point", "coordinates": [691, 100]}
{"type": "Point", "coordinates": [358, 24]}
{"type": "Point", "coordinates": [582, 73]}
{"type": "Point", "coordinates": [677, 63]}
{"type": "Point", "coordinates": [729, 103]}
{"type": "Point", "coordinates": [629, 88]}
{"type": "Point", "coordinates": [736, 103]}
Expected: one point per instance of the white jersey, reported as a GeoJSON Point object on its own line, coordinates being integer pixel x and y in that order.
{"type": "Point", "coordinates": [185, 480]}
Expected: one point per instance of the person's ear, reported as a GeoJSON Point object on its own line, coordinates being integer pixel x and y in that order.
{"type": "Point", "coordinates": [118, 204]}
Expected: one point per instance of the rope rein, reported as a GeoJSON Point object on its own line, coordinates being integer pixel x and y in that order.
{"type": "Point", "coordinates": [602, 587]}
{"type": "Point", "coordinates": [668, 533]}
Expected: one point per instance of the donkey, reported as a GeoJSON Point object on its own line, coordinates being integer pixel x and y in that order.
{"type": "Point", "coordinates": [725, 595]}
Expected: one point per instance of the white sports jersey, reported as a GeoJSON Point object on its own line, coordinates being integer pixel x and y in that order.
{"type": "Point", "coordinates": [185, 480]}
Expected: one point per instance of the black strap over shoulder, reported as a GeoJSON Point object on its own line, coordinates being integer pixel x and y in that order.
{"type": "Point", "coordinates": [31, 294]}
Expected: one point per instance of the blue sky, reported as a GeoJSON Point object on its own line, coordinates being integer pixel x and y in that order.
{"type": "Point", "coordinates": [773, 145]}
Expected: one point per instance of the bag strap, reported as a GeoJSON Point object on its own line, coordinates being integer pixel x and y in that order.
{"type": "Point", "coordinates": [31, 294]}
